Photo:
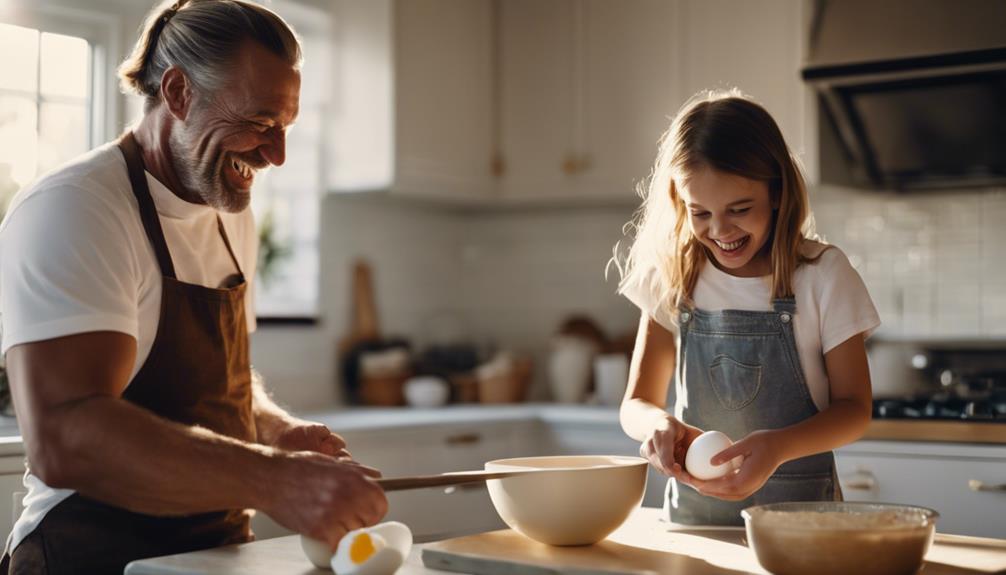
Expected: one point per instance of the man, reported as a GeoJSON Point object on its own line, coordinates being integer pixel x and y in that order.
{"type": "Point", "coordinates": [123, 294]}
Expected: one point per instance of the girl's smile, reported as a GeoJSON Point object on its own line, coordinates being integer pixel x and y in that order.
{"type": "Point", "coordinates": [732, 217]}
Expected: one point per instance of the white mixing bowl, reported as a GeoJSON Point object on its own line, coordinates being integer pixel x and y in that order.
{"type": "Point", "coordinates": [581, 502]}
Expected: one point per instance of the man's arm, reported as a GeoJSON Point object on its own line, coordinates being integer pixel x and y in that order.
{"type": "Point", "coordinates": [80, 434]}
{"type": "Point", "coordinates": [278, 428]}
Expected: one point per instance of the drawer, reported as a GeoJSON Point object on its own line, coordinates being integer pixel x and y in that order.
{"type": "Point", "coordinates": [946, 484]}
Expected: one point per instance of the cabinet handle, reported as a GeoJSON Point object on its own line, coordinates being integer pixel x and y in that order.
{"type": "Point", "coordinates": [979, 485]}
{"type": "Point", "coordinates": [463, 439]}
{"type": "Point", "coordinates": [863, 480]}
{"type": "Point", "coordinates": [575, 164]}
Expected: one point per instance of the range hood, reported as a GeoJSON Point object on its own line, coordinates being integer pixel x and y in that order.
{"type": "Point", "coordinates": [911, 93]}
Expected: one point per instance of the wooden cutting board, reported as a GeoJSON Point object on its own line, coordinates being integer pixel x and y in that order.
{"type": "Point", "coordinates": [644, 544]}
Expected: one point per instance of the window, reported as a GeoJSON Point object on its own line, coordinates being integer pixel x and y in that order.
{"type": "Point", "coordinates": [287, 200]}
{"type": "Point", "coordinates": [53, 103]}
{"type": "Point", "coordinates": [45, 103]}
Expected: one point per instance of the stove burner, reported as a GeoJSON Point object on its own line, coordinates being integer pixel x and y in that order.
{"type": "Point", "coordinates": [944, 408]}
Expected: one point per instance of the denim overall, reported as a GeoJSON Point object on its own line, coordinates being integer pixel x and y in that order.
{"type": "Point", "coordinates": [739, 372]}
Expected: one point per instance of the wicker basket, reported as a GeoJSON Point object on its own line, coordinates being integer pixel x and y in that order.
{"type": "Point", "coordinates": [464, 387]}
{"type": "Point", "coordinates": [384, 390]}
{"type": "Point", "coordinates": [509, 388]}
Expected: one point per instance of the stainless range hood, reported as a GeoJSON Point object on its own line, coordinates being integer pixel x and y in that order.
{"type": "Point", "coordinates": [912, 93]}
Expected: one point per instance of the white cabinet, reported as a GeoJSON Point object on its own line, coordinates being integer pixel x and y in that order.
{"type": "Point", "coordinates": [530, 101]}
{"type": "Point", "coordinates": [412, 104]}
{"type": "Point", "coordinates": [754, 46]}
{"type": "Point", "coordinates": [11, 491]}
{"type": "Point", "coordinates": [586, 91]}
{"type": "Point", "coordinates": [443, 97]}
{"type": "Point", "coordinates": [966, 484]}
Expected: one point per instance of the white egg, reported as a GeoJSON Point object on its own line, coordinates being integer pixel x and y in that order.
{"type": "Point", "coordinates": [377, 550]}
{"type": "Point", "coordinates": [703, 449]}
{"type": "Point", "coordinates": [318, 552]}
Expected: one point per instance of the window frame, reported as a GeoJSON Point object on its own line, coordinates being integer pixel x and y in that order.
{"type": "Point", "coordinates": [100, 30]}
{"type": "Point", "coordinates": [310, 20]}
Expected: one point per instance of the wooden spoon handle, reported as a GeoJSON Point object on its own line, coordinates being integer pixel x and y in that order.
{"type": "Point", "coordinates": [445, 479]}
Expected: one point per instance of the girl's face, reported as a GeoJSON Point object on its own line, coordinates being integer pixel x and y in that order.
{"type": "Point", "coordinates": [732, 217]}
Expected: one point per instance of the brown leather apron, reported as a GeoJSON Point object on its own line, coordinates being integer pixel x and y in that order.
{"type": "Point", "coordinates": [197, 373]}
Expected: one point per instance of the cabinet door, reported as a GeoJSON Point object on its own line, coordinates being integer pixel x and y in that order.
{"type": "Point", "coordinates": [628, 98]}
{"type": "Point", "coordinates": [11, 491]}
{"type": "Point", "coordinates": [443, 84]}
{"type": "Point", "coordinates": [940, 483]}
{"type": "Point", "coordinates": [537, 89]}
{"type": "Point", "coordinates": [755, 46]}
{"type": "Point", "coordinates": [587, 90]}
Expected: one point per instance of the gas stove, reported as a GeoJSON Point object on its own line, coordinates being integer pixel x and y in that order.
{"type": "Point", "coordinates": [943, 407]}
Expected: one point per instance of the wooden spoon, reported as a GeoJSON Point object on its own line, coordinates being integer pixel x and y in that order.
{"type": "Point", "coordinates": [452, 478]}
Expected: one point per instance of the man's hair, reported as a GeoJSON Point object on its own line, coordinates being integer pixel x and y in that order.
{"type": "Point", "coordinates": [201, 37]}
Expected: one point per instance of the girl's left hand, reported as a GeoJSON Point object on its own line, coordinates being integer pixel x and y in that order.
{"type": "Point", "coordinates": [761, 457]}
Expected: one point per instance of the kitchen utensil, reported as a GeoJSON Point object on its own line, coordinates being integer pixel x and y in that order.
{"type": "Point", "coordinates": [833, 538]}
{"type": "Point", "coordinates": [448, 479]}
{"type": "Point", "coordinates": [364, 322]}
{"type": "Point", "coordinates": [582, 500]}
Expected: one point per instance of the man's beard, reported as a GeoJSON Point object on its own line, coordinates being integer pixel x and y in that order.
{"type": "Point", "coordinates": [204, 175]}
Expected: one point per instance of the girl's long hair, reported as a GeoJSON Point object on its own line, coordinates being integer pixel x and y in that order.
{"type": "Point", "coordinates": [728, 132]}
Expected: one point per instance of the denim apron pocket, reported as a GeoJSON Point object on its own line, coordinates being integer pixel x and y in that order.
{"type": "Point", "coordinates": [735, 384]}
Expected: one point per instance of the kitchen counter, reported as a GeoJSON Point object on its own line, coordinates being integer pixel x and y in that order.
{"type": "Point", "coordinates": [936, 430]}
{"type": "Point", "coordinates": [364, 418]}
{"type": "Point", "coordinates": [684, 550]}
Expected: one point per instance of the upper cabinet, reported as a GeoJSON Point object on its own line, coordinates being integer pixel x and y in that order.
{"type": "Point", "coordinates": [586, 90]}
{"type": "Point", "coordinates": [444, 113]}
{"type": "Point", "coordinates": [754, 46]}
{"type": "Point", "coordinates": [412, 110]}
{"type": "Point", "coordinates": [534, 101]}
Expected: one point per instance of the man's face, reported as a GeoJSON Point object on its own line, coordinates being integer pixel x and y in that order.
{"type": "Point", "coordinates": [232, 133]}
{"type": "Point", "coordinates": [731, 216]}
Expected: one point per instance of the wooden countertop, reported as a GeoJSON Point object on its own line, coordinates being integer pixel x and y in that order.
{"type": "Point", "coordinates": [936, 430]}
{"type": "Point", "coordinates": [643, 538]}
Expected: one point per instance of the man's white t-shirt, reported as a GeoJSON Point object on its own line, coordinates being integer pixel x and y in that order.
{"type": "Point", "coordinates": [832, 305]}
{"type": "Point", "coordinates": [74, 258]}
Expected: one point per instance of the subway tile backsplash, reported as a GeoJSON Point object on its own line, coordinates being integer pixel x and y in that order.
{"type": "Point", "coordinates": [930, 259]}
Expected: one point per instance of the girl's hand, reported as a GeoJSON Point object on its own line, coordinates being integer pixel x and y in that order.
{"type": "Point", "coordinates": [666, 445]}
{"type": "Point", "coordinates": [762, 456]}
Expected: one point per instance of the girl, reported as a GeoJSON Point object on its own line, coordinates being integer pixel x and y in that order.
{"type": "Point", "coordinates": [761, 325]}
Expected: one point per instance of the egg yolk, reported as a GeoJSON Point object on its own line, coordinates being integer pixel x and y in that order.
{"type": "Point", "coordinates": [361, 549]}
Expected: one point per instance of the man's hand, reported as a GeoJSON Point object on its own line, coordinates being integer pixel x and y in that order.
{"type": "Point", "coordinates": [762, 457]}
{"type": "Point", "coordinates": [322, 497]}
{"type": "Point", "coordinates": [300, 435]}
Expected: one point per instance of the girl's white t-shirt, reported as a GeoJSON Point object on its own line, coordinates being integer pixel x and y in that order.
{"type": "Point", "coordinates": [74, 258]}
{"type": "Point", "coordinates": [832, 305]}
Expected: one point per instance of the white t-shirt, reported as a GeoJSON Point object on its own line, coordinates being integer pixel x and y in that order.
{"type": "Point", "coordinates": [74, 258]}
{"type": "Point", "coordinates": [832, 305]}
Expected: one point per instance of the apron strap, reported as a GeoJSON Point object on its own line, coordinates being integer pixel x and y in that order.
{"type": "Point", "coordinates": [227, 242]}
{"type": "Point", "coordinates": [787, 304]}
{"type": "Point", "coordinates": [148, 212]}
